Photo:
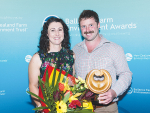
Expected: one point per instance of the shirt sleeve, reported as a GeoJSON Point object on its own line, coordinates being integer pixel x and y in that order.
{"type": "Point", "coordinates": [123, 72]}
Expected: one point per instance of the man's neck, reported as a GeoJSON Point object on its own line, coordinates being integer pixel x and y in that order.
{"type": "Point", "coordinates": [91, 45]}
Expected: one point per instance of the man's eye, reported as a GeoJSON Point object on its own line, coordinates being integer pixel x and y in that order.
{"type": "Point", "coordinates": [83, 26]}
{"type": "Point", "coordinates": [91, 25]}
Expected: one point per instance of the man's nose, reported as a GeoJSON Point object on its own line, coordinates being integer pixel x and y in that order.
{"type": "Point", "coordinates": [87, 29]}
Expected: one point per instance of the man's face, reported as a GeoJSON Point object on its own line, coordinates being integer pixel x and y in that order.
{"type": "Point", "coordinates": [89, 29]}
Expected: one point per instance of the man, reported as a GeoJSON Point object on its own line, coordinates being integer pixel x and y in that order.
{"type": "Point", "coordinates": [96, 52]}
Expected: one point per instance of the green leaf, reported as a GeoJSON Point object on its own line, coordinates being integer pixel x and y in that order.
{"type": "Point", "coordinates": [52, 112]}
{"type": "Point", "coordinates": [78, 85]}
{"type": "Point", "coordinates": [81, 90]}
{"type": "Point", "coordinates": [58, 80]}
{"type": "Point", "coordinates": [66, 97]}
{"type": "Point", "coordinates": [65, 76]}
{"type": "Point", "coordinates": [36, 96]}
{"type": "Point", "coordinates": [43, 92]}
{"type": "Point", "coordinates": [64, 79]}
{"type": "Point", "coordinates": [47, 78]}
{"type": "Point", "coordinates": [38, 108]}
{"type": "Point", "coordinates": [54, 74]}
{"type": "Point", "coordinates": [84, 111]}
{"type": "Point", "coordinates": [74, 89]}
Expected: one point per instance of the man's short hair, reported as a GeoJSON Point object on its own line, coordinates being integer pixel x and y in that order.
{"type": "Point", "coordinates": [88, 14]}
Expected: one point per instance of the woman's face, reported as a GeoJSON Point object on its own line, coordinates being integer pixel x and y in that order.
{"type": "Point", "coordinates": [55, 33]}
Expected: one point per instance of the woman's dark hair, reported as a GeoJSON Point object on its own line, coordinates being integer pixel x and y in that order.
{"type": "Point", "coordinates": [44, 39]}
{"type": "Point", "coordinates": [89, 14]}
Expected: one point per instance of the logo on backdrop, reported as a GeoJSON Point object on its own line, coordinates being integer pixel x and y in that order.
{"type": "Point", "coordinates": [139, 91]}
{"type": "Point", "coordinates": [2, 92]}
{"type": "Point", "coordinates": [28, 58]}
{"type": "Point", "coordinates": [130, 91]}
{"type": "Point", "coordinates": [27, 90]}
{"type": "Point", "coordinates": [107, 24]}
{"type": "Point", "coordinates": [3, 60]}
{"type": "Point", "coordinates": [48, 17]}
{"type": "Point", "coordinates": [129, 57]}
{"type": "Point", "coordinates": [13, 27]}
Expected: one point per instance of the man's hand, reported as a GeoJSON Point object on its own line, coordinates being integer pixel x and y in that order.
{"type": "Point", "coordinates": [107, 97]}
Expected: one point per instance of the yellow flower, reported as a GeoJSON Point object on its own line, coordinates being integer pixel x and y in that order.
{"type": "Point", "coordinates": [76, 80]}
{"type": "Point", "coordinates": [85, 85]}
{"type": "Point", "coordinates": [53, 65]}
{"type": "Point", "coordinates": [66, 85]}
{"type": "Point", "coordinates": [77, 94]}
{"type": "Point", "coordinates": [81, 87]}
{"type": "Point", "coordinates": [61, 107]}
{"type": "Point", "coordinates": [81, 80]}
{"type": "Point", "coordinates": [87, 104]}
{"type": "Point", "coordinates": [73, 97]}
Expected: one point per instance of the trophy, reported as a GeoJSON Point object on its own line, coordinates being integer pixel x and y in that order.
{"type": "Point", "coordinates": [98, 81]}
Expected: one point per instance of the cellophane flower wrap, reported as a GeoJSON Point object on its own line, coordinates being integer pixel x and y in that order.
{"type": "Point", "coordinates": [60, 92]}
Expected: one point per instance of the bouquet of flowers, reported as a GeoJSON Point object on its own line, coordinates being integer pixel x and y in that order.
{"type": "Point", "coordinates": [60, 92]}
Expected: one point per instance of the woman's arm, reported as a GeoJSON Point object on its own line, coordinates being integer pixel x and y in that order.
{"type": "Point", "coordinates": [34, 72]}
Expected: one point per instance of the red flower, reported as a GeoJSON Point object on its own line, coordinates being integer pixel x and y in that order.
{"type": "Point", "coordinates": [61, 86]}
{"type": "Point", "coordinates": [74, 104]}
{"type": "Point", "coordinates": [72, 81]}
{"type": "Point", "coordinates": [68, 92]}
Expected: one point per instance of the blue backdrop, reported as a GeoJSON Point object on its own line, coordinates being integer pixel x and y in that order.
{"type": "Point", "coordinates": [123, 22]}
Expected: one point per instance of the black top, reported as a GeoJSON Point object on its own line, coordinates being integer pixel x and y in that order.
{"type": "Point", "coordinates": [62, 58]}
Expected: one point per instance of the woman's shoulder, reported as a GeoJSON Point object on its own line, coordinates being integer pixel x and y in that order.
{"type": "Point", "coordinates": [68, 51]}
{"type": "Point", "coordinates": [36, 56]}
{"type": "Point", "coordinates": [41, 54]}
{"type": "Point", "coordinates": [35, 60]}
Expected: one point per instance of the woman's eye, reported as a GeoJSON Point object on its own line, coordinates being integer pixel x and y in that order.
{"type": "Point", "coordinates": [60, 29]}
{"type": "Point", "coordinates": [91, 25]}
{"type": "Point", "coordinates": [52, 30]}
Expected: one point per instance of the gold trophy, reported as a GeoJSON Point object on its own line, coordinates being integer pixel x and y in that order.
{"type": "Point", "coordinates": [98, 81]}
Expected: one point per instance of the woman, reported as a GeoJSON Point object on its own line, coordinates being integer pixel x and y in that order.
{"type": "Point", "coordinates": [54, 49]}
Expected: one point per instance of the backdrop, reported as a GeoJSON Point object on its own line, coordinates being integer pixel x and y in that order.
{"type": "Point", "coordinates": [123, 22]}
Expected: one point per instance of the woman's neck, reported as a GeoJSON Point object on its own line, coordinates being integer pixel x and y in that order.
{"type": "Point", "coordinates": [55, 48]}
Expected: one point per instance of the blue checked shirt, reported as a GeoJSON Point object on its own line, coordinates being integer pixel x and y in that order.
{"type": "Point", "coordinates": [107, 55]}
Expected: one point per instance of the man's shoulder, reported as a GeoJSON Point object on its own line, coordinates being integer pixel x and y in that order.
{"type": "Point", "coordinates": [112, 46]}
{"type": "Point", "coordinates": [107, 42]}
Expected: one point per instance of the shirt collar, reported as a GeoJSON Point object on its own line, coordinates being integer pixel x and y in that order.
{"type": "Point", "coordinates": [103, 41]}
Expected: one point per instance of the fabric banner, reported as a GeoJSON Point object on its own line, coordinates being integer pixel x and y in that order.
{"type": "Point", "coordinates": [123, 22]}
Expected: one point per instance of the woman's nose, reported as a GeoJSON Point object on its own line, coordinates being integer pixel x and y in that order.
{"type": "Point", "coordinates": [57, 32]}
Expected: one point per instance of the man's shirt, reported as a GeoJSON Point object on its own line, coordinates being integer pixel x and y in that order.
{"type": "Point", "coordinates": [107, 55]}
